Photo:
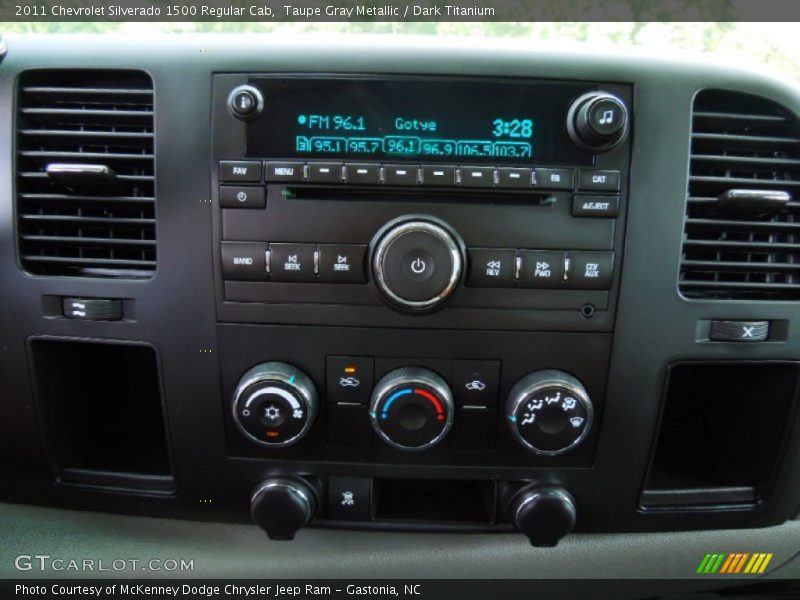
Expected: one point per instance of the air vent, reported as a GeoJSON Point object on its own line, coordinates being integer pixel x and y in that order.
{"type": "Point", "coordinates": [85, 173]}
{"type": "Point", "coordinates": [744, 148]}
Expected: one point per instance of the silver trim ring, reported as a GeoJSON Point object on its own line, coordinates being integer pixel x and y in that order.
{"type": "Point", "coordinates": [295, 489]}
{"type": "Point", "coordinates": [410, 227]}
{"type": "Point", "coordinates": [289, 376]}
{"type": "Point", "coordinates": [406, 376]}
{"type": "Point", "coordinates": [526, 495]}
{"type": "Point", "coordinates": [535, 382]}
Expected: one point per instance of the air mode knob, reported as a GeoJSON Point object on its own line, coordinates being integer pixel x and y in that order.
{"type": "Point", "coordinates": [417, 262]}
{"type": "Point", "coordinates": [411, 408]}
{"type": "Point", "coordinates": [274, 404]}
{"type": "Point", "coordinates": [549, 412]}
{"type": "Point", "coordinates": [597, 121]}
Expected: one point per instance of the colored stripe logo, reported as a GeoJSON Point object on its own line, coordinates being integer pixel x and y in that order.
{"type": "Point", "coordinates": [734, 563]}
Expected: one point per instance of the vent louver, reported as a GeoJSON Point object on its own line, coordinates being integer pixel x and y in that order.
{"type": "Point", "coordinates": [85, 173]}
{"type": "Point", "coordinates": [749, 145]}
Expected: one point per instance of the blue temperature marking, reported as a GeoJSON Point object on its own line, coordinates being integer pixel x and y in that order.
{"type": "Point", "coordinates": [513, 418]}
{"type": "Point", "coordinates": [291, 380]}
{"type": "Point", "coordinates": [392, 398]}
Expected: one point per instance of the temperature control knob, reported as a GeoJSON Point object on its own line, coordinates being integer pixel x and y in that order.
{"type": "Point", "coordinates": [411, 408]}
{"type": "Point", "coordinates": [597, 121]}
{"type": "Point", "coordinates": [274, 404]}
{"type": "Point", "coordinates": [549, 412]}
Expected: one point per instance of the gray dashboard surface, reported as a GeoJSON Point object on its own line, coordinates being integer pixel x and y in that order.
{"type": "Point", "coordinates": [242, 551]}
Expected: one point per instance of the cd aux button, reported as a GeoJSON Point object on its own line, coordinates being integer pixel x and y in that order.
{"type": "Point", "coordinates": [591, 270]}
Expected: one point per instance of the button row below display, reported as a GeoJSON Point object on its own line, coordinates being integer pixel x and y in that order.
{"type": "Point", "coordinates": [428, 175]}
{"type": "Point", "coordinates": [290, 262]}
{"type": "Point", "coordinates": [540, 269]}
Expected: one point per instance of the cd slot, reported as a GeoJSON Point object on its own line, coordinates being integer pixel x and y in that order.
{"type": "Point", "coordinates": [418, 194]}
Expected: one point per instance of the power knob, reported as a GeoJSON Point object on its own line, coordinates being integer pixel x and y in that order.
{"type": "Point", "coordinates": [549, 412]}
{"type": "Point", "coordinates": [597, 121]}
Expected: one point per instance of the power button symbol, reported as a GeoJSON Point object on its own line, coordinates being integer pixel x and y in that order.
{"type": "Point", "coordinates": [418, 266]}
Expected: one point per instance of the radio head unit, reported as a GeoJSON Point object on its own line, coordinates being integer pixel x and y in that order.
{"type": "Point", "coordinates": [427, 120]}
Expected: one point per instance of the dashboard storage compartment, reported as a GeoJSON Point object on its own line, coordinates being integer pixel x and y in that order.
{"type": "Point", "coordinates": [723, 430]}
{"type": "Point", "coordinates": [432, 501]}
{"type": "Point", "coordinates": [101, 413]}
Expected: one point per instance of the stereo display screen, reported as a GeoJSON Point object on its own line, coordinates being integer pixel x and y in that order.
{"type": "Point", "coordinates": [424, 120]}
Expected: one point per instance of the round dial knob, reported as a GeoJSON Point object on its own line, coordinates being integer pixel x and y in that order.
{"type": "Point", "coordinates": [245, 102]}
{"type": "Point", "coordinates": [597, 121]}
{"type": "Point", "coordinates": [549, 412]}
{"type": "Point", "coordinates": [281, 506]}
{"type": "Point", "coordinates": [274, 404]}
{"type": "Point", "coordinates": [544, 514]}
{"type": "Point", "coordinates": [411, 408]}
{"type": "Point", "coordinates": [417, 262]}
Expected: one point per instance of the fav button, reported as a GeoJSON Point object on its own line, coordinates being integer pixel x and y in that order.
{"type": "Point", "coordinates": [492, 267]}
{"type": "Point", "coordinates": [240, 170]}
{"type": "Point", "coordinates": [291, 262]}
{"type": "Point", "coordinates": [591, 270]}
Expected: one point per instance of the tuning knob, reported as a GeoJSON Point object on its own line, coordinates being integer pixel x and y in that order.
{"type": "Point", "coordinates": [597, 121]}
{"type": "Point", "coordinates": [275, 404]}
{"type": "Point", "coordinates": [417, 262]}
{"type": "Point", "coordinates": [411, 408]}
{"type": "Point", "coordinates": [282, 506]}
{"type": "Point", "coordinates": [544, 514]}
{"type": "Point", "coordinates": [549, 412]}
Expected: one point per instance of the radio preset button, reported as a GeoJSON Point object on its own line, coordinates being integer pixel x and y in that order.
{"type": "Point", "coordinates": [341, 263]}
{"type": "Point", "coordinates": [244, 260]}
{"type": "Point", "coordinates": [541, 269]}
{"type": "Point", "coordinates": [285, 171]}
{"type": "Point", "coordinates": [400, 174]}
{"type": "Point", "coordinates": [364, 174]}
{"type": "Point", "coordinates": [584, 205]}
{"type": "Point", "coordinates": [477, 176]}
{"type": "Point", "coordinates": [510, 177]}
{"type": "Point", "coordinates": [325, 172]}
{"type": "Point", "coordinates": [554, 179]}
{"type": "Point", "coordinates": [292, 262]}
{"type": "Point", "coordinates": [492, 267]}
{"type": "Point", "coordinates": [600, 181]}
{"type": "Point", "coordinates": [591, 270]}
{"type": "Point", "coordinates": [235, 196]}
{"type": "Point", "coordinates": [240, 170]}
{"type": "Point", "coordinates": [438, 175]}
